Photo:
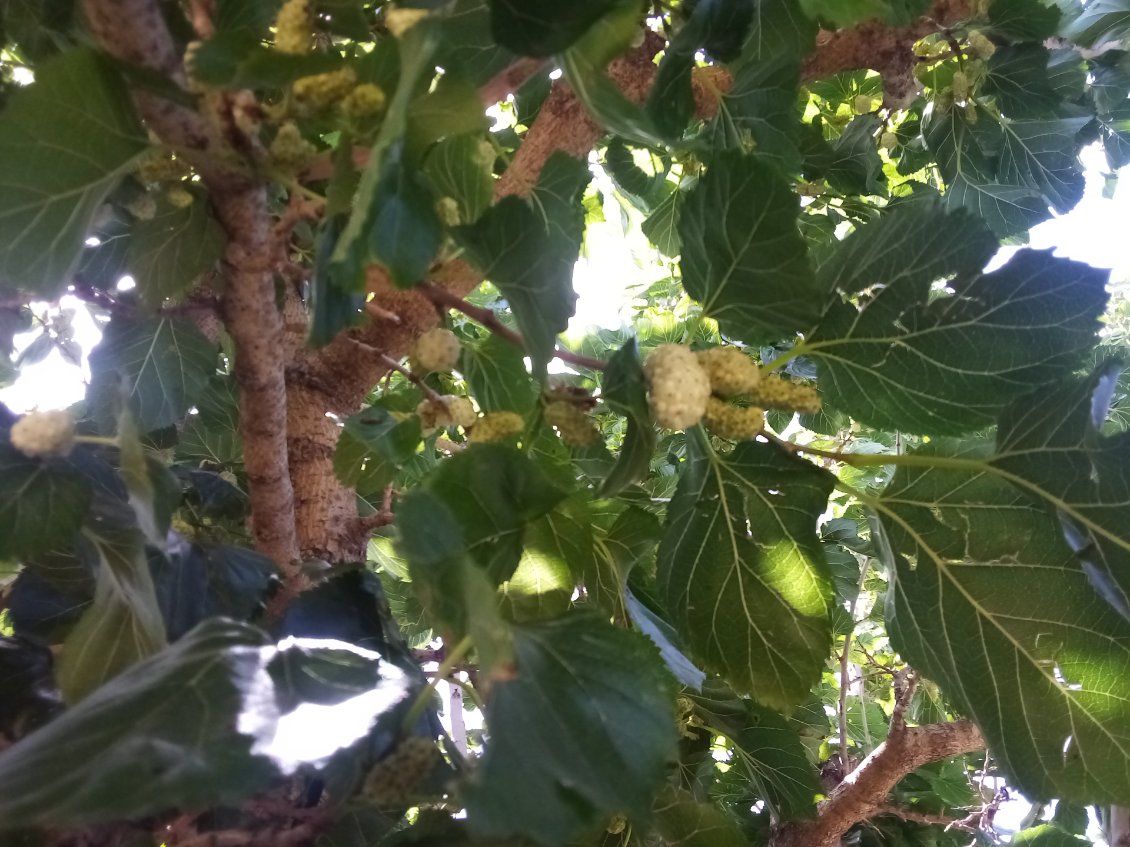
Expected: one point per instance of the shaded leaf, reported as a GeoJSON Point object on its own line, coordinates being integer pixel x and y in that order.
{"type": "Point", "coordinates": [162, 366]}
{"type": "Point", "coordinates": [760, 111]}
{"type": "Point", "coordinates": [405, 233]}
{"type": "Point", "coordinates": [742, 571]}
{"type": "Point", "coordinates": [458, 169]}
{"type": "Point", "coordinates": [207, 720]}
{"type": "Point", "coordinates": [1024, 20]}
{"type": "Point", "coordinates": [682, 821]}
{"type": "Point", "coordinates": [1100, 20]}
{"type": "Point", "coordinates": [496, 374]}
{"type": "Point", "coordinates": [624, 389]}
{"type": "Point", "coordinates": [949, 365]}
{"type": "Point", "coordinates": [745, 211]}
{"type": "Point", "coordinates": [559, 760]}
{"type": "Point", "coordinates": [1018, 77]}
{"type": "Point", "coordinates": [528, 248]}
{"type": "Point", "coordinates": [42, 503]}
{"type": "Point", "coordinates": [170, 250]}
{"type": "Point", "coordinates": [64, 143]}
{"type": "Point", "coordinates": [537, 28]}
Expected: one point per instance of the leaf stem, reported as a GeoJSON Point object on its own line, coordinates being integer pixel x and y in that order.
{"type": "Point", "coordinates": [457, 654]}
{"type": "Point", "coordinates": [442, 297]}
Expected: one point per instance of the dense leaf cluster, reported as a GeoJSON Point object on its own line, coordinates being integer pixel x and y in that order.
{"type": "Point", "coordinates": [650, 621]}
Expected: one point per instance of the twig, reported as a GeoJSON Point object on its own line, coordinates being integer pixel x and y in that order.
{"type": "Point", "coordinates": [845, 762]}
{"type": "Point", "coordinates": [905, 682]}
{"type": "Point", "coordinates": [393, 365]}
{"type": "Point", "coordinates": [449, 663]}
{"type": "Point", "coordinates": [442, 297]}
{"type": "Point", "coordinates": [963, 824]}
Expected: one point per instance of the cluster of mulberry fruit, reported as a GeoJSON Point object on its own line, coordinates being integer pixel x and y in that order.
{"type": "Point", "coordinates": [449, 410]}
{"type": "Point", "coordinates": [393, 779]}
{"type": "Point", "coordinates": [686, 388]}
{"type": "Point", "coordinates": [575, 427]}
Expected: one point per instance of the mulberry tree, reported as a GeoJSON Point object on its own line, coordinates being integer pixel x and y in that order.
{"type": "Point", "coordinates": [352, 543]}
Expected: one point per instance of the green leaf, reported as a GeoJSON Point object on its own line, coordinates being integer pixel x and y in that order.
{"type": "Point", "coordinates": [846, 13]}
{"type": "Point", "coordinates": [985, 584]}
{"type": "Point", "coordinates": [538, 28]}
{"type": "Point", "coordinates": [161, 366]}
{"type": "Point", "coordinates": [1049, 444]}
{"type": "Point", "coordinates": [745, 211]}
{"type": "Point", "coordinates": [493, 493]}
{"type": "Point", "coordinates": [760, 110]}
{"type": "Point", "coordinates": [169, 251]}
{"type": "Point", "coordinates": [450, 109]}
{"type": "Point", "coordinates": [1046, 835]}
{"type": "Point", "coordinates": [971, 179]}
{"type": "Point", "coordinates": [1024, 20]}
{"type": "Point", "coordinates": [213, 719]}
{"type": "Point", "coordinates": [123, 625]}
{"type": "Point", "coordinates": [949, 365]}
{"type": "Point", "coordinates": [664, 637]}
{"type": "Point", "coordinates": [624, 389]}
{"type": "Point", "coordinates": [527, 247]}
{"type": "Point", "coordinates": [559, 759]}
{"type": "Point", "coordinates": [42, 503]}
{"type": "Point", "coordinates": [405, 233]}
{"type": "Point", "coordinates": [742, 571]}
{"type": "Point", "coordinates": [1043, 155]}
{"type": "Point", "coordinates": [779, 28]}
{"type": "Point", "coordinates": [1018, 78]}
{"type": "Point", "coordinates": [212, 435]}
{"type": "Point", "coordinates": [456, 593]}
{"type": "Point", "coordinates": [767, 747]}
{"type": "Point", "coordinates": [946, 243]}
{"type": "Point", "coordinates": [851, 163]}
{"type": "Point", "coordinates": [662, 225]}
{"type": "Point", "coordinates": [64, 143]}
{"type": "Point", "coordinates": [457, 168]}
{"type": "Point", "coordinates": [682, 821]}
{"type": "Point", "coordinates": [496, 374]}
{"type": "Point", "coordinates": [351, 250]}
{"type": "Point", "coordinates": [467, 48]}
{"type": "Point", "coordinates": [1100, 21]}
{"type": "Point", "coordinates": [374, 444]}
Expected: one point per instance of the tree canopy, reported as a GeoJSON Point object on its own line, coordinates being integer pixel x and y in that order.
{"type": "Point", "coordinates": [828, 543]}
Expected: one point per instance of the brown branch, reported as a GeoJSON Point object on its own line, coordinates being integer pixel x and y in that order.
{"type": "Point", "coordinates": [511, 79]}
{"type": "Point", "coordinates": [964, 824]}
{"type": "Point", "coordinates": [864, 791]}
{"type": "Point", "coordinates": [135, 31]}
{"type": "Point", "coordinates": [443, 297]}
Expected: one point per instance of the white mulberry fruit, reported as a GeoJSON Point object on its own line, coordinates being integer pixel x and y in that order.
{"type": "Point", "coordinates": [322, 90]}
{"type": "Point", "coordinates": [365, 102]}
{"type": "Point", "coordinates": [435, 350]}
{"type": "Point", "coordinates": [392, 780]}
{"type": "Point", "coordinates": [44, 434]}
{"type": "Point", "coordinates": [450, 410]}
{"type": "Point", "coordinates": [731, 371]}
{"type": "Point", "coordinates": [497, 426]}
{"type": "Point", "coordinates": [777, 393]}
{"type": "Point", "coordinates": [289, 150]}
{"type": "Point", "coordinates": [733, 422]}
{"type": "Point", "coordinates": [678, 387]}
{"type": "Point", "coordinates": [575, 427]}
{"type": "Point", "coordinates": [980, 46]}
{"type": "Point", "coordinates": [888, 141]}
{"type": "Point", "coordinates": [293, 27]}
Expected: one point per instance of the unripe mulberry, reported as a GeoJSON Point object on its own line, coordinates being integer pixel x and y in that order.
{"type": "Point", "coordinates": [888, 141]}
{"type": "Point", "coordinates": [289, 150]}
{"type": "Point", "coordinates": [734, 422]}
{"type": "Point", "coordinates": [143, 207]}
{"type": "Point", "coordinates": [45, 434]}
{"type": "Point", "coordinates": [179, 197]}
{"type": "Point", "coordinates": [730, 371]}
{"type": "Point", "coordinates": [322, 90]}
{"type": "Point", "coordinates": [862, 103]}
{"type": "Point", "coordinates": [980, 45]}
{"type": "Point", "coordinates": [293, 27]}
{"type": "Point", "coordinates": [960, 85]}
{"type": "Point", "coordinates": [678, 387]}
{"type": "Point", "coordinates": [447, 209]}
{"type": "Point", "coordinates": [392, 780]}
{"type": "Point", "coordinates": [450, 410]}
{"type": "Point", "coordinates": [575, 427]}
{"type": "Point", "coordinates": [777, 393]}
{"type": "Point", "coordinates": [435, 350]}
{"type": "Point", "coordinates": [161, 167]}
{"type": "Point", "coordinates": [497, 426]}
{"type": "Point", "coordinates": [365, 102]}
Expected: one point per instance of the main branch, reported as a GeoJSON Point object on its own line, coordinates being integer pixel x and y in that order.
{"type": "Point", "coordinates": [863, 793]}
{"type": "Point", "coordinates": [135, 32]}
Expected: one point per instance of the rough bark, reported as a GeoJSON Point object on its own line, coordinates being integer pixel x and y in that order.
{"type": "Point", "coordinates": [134, 31]}
{"type": "Point", "coordinates": [863, 793]}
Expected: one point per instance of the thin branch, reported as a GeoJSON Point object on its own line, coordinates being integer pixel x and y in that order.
{"type": "Point", "coordinates": [841, 713]}
{"type": "Point", "coordinates": [442, 297]}
{"type": "Point", "coordinates": [511, 79]}
{"type": "Point", "coordinates": [393, 365]}
{"type": "Point", "coordinates": [913, 816]}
